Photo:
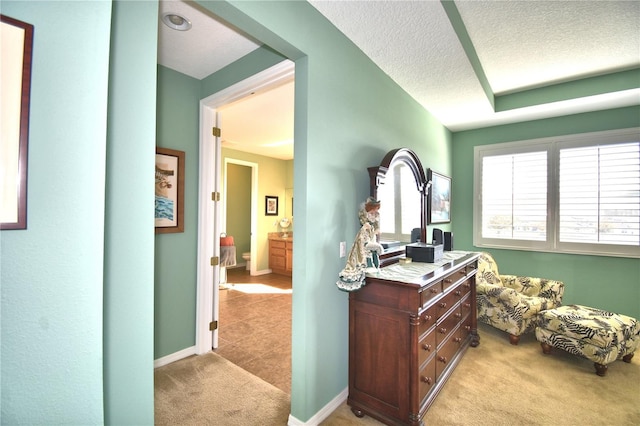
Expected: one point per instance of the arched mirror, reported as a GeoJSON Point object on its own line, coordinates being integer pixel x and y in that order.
{"type": "Point", "coordinates": [400, 183]}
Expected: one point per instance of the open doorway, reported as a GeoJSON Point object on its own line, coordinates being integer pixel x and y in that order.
{"type": "Point", "coordinates": [252, 309]}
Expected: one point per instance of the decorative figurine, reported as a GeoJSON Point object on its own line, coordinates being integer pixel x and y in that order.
{"type": "Point", "coordinates": [365, 253]}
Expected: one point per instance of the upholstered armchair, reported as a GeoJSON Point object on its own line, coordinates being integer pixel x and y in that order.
{"type": "Point", "coordinates": [511, 303]}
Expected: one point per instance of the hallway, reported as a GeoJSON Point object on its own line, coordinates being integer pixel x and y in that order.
{"type": "Point", "coordinates": [255, 325]}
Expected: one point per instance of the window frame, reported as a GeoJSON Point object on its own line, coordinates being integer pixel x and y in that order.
{"type": "Point", "coordinates": [552, 146]}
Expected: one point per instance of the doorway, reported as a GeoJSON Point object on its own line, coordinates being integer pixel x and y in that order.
{"type": "Point", "coordinates": [209, 215]}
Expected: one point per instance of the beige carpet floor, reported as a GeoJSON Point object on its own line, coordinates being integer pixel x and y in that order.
{"type": "Point", "coordinates": [501, 384]}
{"type": "Point", "coordinates": [209, 390]}
{"type": "Point", "coordinates": [494, 384]}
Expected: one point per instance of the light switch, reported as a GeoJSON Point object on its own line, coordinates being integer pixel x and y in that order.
{"type": "Point", "coordinates": [343, 248]}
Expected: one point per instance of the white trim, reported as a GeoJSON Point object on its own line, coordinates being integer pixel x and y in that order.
{"type": "Point", "coordinates": [324, 412]}
{"type": "Point", "coordinates": [176, 356]}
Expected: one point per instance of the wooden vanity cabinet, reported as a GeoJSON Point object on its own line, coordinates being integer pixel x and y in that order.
{"type": "Point", "coordinates": [405, 339]}
{"type": "Point", "coordinates": [281, 256]}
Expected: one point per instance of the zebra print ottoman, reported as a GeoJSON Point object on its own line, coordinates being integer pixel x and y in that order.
{"type": "Point", "coordinates": [597, 335]}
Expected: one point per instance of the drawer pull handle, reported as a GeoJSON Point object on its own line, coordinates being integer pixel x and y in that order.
{"type": "Point", "coordinates": [427, 380]}
{"type": "Point", "coordinates": [467, 305]}
{"type": "Point", "coordinates": [435, 290]}
{"type": "Point", "coordinates": [457, 340]}
{"type": "Point", "coordinates": [463, 272]}
{"type": "Point", "coordinates": [426, 347]}
{"type": "Point", "coordinates": [467, 327]}
{"type": "Point", "coordinates": [448, 280]}
{"type": "Point", "coordinates": [458, 315]}
{"type": "Point", "coordinates": [443, 305]}
{"type": "Point", "coordinates": [427, 318]}
{"type": "Point", "coordinates": [443, 330]}
{"type": "Point", "coordinates": [466, 285]}
{"type": "Point", "coordinates": [458, 292]}
{"type": "Point", "coordinates": [442, 359]}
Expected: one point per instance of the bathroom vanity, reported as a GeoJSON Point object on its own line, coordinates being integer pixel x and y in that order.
{"type": "Point", "coordinates": [281, 253]}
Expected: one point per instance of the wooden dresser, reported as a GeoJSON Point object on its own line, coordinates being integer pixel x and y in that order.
{"type": "Point", "coordinates": [406, 338]}
{"type": "Point", "coordinates": [281, 255]}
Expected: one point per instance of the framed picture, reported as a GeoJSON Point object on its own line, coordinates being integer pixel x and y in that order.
{"type": "Point", "coordinates": [270, 205]}
{"type": "Point", "coordinates": [17, 49]}
{"type": "Point", "coordinates": [169, 191]}
{"type": "Point", "coordinates": [439, 199]}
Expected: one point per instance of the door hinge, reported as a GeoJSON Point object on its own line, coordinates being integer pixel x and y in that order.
{"type": "Point", "coordinates": [215, 131]}
{"type": "Point", "coordinates": [215, 196]}
{"type": "Point", "coordinates": [213, 325]}
{"type": "Point", "coordinates": [215, 260]}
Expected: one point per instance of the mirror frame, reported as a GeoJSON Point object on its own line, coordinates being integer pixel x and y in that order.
{"type": "Point", "coordinates": [377, 177]}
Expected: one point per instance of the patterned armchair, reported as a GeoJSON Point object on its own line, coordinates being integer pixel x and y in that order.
{"type": "Point", "coordinates": [511, 303]}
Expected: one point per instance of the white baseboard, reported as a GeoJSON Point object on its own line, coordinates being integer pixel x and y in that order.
{"type": "Point", "coordinates": [174, 357]}
{"type": "Point", "coordinates": [324, 412]}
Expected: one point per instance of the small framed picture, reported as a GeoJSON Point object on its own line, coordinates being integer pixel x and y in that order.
{"type": "Point", "coordinates": [169, 191]}
{"type": "Point", "coordinates": [270, 205]}
{"type": "Point", "coordinates": [439, 199]}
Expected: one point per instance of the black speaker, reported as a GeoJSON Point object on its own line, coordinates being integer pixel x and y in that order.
{"type": "Point", "coordinates": [437, 236]}
{"type": "Point", "coordinates": [448, 241]}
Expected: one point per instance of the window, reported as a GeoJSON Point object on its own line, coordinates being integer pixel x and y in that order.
{"type": "Point", "coordinates": [574, 194]}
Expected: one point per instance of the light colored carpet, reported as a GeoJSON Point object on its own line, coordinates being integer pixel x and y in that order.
{"type": "Point", "coordinates": [501, 384]}
{"type": "Point", "coordinates": [494, 384]}
{"type": "Point", "coordinates": [209, 390]}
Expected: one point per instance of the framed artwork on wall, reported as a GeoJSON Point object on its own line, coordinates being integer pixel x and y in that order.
{"type": "Point", "coordinates": [15, 74]}
{"type": "Point", "coordinates": [270, 205]}
{"type": "Point", "coordinates": [439, 199]}
{"type": "Point", "coordinates": [169, 211]}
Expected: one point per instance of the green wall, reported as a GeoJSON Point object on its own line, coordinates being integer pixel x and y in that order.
{"type": "Point", "coordinates": [604, 282]}
{"type": "Point", "coordinates": [129, 223]}
{"type": "Point", "coordinates": [77, 285]}
{"type": "Point", "coordinates": [51, 273]}
{"type": "Point", "coordinates": [176, 253]}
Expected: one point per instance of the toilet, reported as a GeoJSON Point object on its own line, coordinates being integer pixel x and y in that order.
{"type": "Point", "coordinates": [247, 257]}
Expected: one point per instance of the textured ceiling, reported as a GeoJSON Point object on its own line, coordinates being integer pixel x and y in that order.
{"type": "Point", "coordinates": [519, 45]}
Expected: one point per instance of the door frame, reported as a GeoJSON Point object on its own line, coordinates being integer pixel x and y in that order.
{"type": "Point", "coordinates": [209, 211]}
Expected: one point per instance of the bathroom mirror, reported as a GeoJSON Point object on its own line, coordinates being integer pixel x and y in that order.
{"type": "Point", "coordinates": [400, 183]}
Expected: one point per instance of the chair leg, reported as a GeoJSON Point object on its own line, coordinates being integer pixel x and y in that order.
{"type": "Point", "coordinates": [627, 357]}
{"type": "Point", "coordinates": [601, 369]}
{"type": "Point", "coordinates": [513, 339]}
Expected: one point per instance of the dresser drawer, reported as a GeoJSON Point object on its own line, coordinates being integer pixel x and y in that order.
{"type": "Point", "coordinates": [463, 289]}
{"type": "Point", "coordinates": [446, 303]}
{"type": "Point", "coordinates": [277, 244]}
{"type": "Point", "coordinates": [427, 378]}
{"type": "Point", "coordinates": [278, 252]}
{"type": "Point", "coordinates": [453, 278]}
{"type": "Point", "coordinates": [447, 324]}
{"type": "Point", "coordinates": [430, 293]}
{"type": "Point", "coordinates": [426, 347]}
{"type": "Point", "coordinates": [427, 319]}
{"type": "Point", "coordinates": [446, 352]}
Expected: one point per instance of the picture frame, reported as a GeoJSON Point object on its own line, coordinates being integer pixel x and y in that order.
{"type": "Point", "coordinates": [17, 56]}
{"type": "Point", "coordinates": [439, 199]}
{"type": "Point", "coordinates": [270, 205]}
{"type": "Point", "coordinates": [169, 204]}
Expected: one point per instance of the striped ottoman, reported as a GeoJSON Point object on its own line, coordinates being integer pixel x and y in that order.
{"type": "Point", "coordinates": [597, 335]}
